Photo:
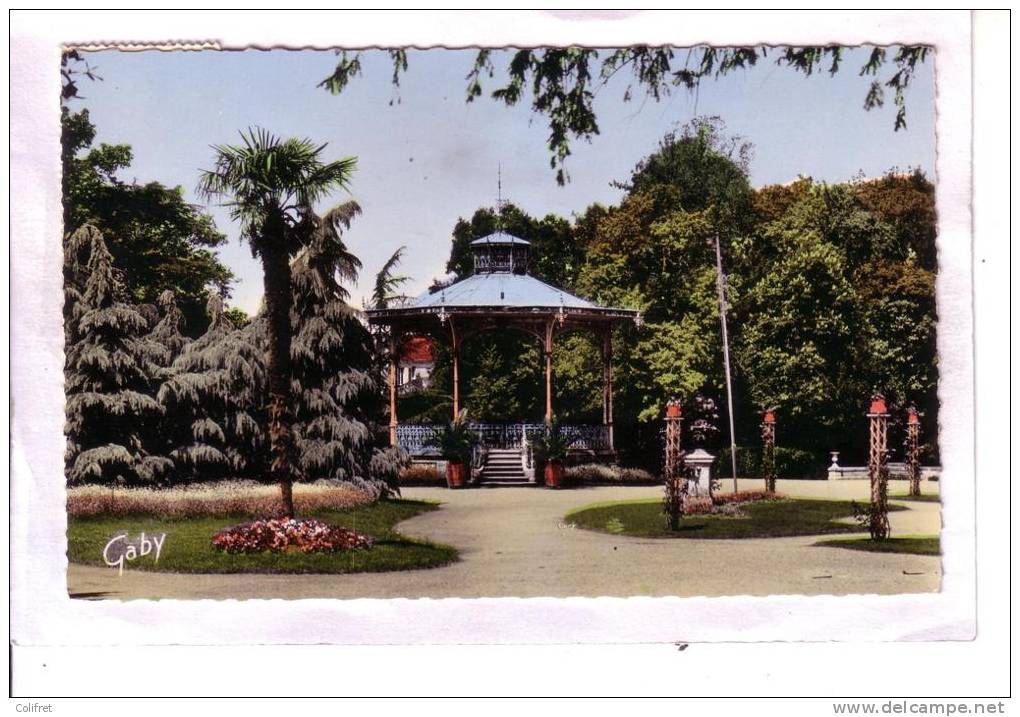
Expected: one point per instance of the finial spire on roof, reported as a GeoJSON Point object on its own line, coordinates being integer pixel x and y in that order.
{"type": "Point", "coordinates": [501, 203]}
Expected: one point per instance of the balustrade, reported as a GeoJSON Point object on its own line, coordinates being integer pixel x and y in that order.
{"type": "Point", "coordinates": [413, 437]}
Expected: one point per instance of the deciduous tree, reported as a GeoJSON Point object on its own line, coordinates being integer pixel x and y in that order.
{"type": "Point", "coordinates": [158, 241]}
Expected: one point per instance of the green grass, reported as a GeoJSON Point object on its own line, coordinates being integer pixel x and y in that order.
{"type": "Point", "coordinates": [188, 549]}
{"type": "Point", "coordinates": [925, 498]}
{"type": "Point", "coordinates": [765, 519]}
{"type": "Point", "coordinates": [909, 544]}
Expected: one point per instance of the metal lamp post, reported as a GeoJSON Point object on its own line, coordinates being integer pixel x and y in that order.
{"type": "Point", "coordinates": [768, 449]}
{"type": "Point", "coordinates": [721, 288]}
{"type": "Point", "coordinates": [673, 467]}
{"type": "Point", "coordinates": [913, 450]}
{"type": "Point", "coordinates": [878, 414]}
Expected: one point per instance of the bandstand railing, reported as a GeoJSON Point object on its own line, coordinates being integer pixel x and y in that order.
{"type": "Point", "coordinates": [413, 437]}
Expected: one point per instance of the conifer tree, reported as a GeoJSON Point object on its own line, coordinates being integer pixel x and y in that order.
{"type": "Point", "coordinates": [167, 332]}
{"type": "Point", "coordinates": [77, 250]}
{"type": "Point", "coordinates": [215, 394]}
{"type": "Point", "coordinates": [166, 342]}
{"type": "Point", "coordinates": [335, 384]}
{"type": "Point", "coordinates": [217, 389]}
{"type": "Point", "coordinates": [108, 374]}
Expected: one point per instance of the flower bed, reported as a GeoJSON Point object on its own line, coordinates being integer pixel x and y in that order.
{"type": "Point", "coordinates": [422, 475]}
{"type": "Point", "coordinates": [221, 498]}
{"type": "Point", "coordinates": [745, 496]}
{"type": "Point", "coordinates": [278, 534]}
{"type": "Point", "coordinates": [600, 474]}
{"type": "Point", "coordinates": [698, 505]}
{"type": "Point", "coordinates": [725, 503]}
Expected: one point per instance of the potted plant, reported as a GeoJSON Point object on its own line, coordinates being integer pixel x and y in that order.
{"type": "Point", "coordinates": [551, 448]}
{"type": "Point", "coordinates": [455, 441]}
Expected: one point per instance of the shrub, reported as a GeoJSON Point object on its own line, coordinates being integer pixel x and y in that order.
{"type": "Point", "coordinates": [730, 510]}
{"type": "Point", "coordinates": [745, 496]}
{"type": "Point", "coordinates": [455, 441]}
{"type": "Point", "coordinates": [552, 445]}
{"type": "Point", "coordinates": [385, 467]}
{"type": "Point", "coordinates": [277, 534]}
{"type": "Point", "coordinates": [727, 504]}
{"type": "Point", "coordinates": [790, 462]}
{"type": "Point", "coordinates": [697, 505]}
{"type": "Point", "coordinates": [421, 475]}
{"type": "Point", "coordinates": [596, 473]}
{"type": "Point", "coordinates": [223, 498]}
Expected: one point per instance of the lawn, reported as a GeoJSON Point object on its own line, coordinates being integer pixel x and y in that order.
{"type": "Point", "coordinates": [924, 498]}
{"type": "Point", "coordinates": [910, 544]}
{"type": "Point", "coordinates": [765, 519]}
{"type": "Point", "coordinates": [187, 548]}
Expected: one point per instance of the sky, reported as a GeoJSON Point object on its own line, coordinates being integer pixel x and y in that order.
{"type": "Point", "coordinates": [427, 158]}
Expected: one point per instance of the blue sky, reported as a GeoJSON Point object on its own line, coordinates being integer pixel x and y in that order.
{"type": "Point", "coordinates": [429, 158]}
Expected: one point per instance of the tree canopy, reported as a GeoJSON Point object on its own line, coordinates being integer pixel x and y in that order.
{"type": "Point", "coordinates": [158, 241]}
{"type": "Point", "coordinates": [830, 290]}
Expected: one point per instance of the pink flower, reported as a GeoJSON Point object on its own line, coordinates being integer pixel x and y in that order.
{"type": "Point", "coordinates": [307, 535]}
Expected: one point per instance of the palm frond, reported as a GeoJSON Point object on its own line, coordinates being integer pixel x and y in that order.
{"type": "Point", "coordinates": [265, 176]}
{"type": "Point", "coordinates": [386, 283]}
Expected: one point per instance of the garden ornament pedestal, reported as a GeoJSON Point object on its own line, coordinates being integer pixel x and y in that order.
{"type": "Point", "coordinates": [700, 462]}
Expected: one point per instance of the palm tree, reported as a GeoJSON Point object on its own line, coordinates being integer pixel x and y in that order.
{"type": "Point", "coordinates": [270, 186]}
{"type": "Point", "coordinates": [386, 282]}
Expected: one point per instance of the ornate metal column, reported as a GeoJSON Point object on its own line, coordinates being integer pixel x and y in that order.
{"type": "Point", "coordinates": [768, 449]}
{"type": "Point", "coordinates": [673, 474]}
{"type": "Point", "coordinates": [878, 523]}
{"type": "Point", "coordinates": [455, 356]}
{"type": "Point", "coordinates": [607, 386]}
{"type": "Point", "coordinates": [394, 358]}
{"type": "Point", "coordinates": [547, 347]}
{"type": "Point", "coordinates": [913, 449]}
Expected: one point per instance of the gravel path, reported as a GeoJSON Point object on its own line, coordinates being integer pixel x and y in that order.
{"type": "Point", "coordinates": [513, 542]}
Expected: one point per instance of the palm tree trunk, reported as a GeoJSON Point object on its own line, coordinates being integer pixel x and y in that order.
{"type": "Point", "coordinates": [276, 275]}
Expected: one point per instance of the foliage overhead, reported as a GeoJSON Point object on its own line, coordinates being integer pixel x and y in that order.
{"type": "Point", "coordinates": [562, 82]}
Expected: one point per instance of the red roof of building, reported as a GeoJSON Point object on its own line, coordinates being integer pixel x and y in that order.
{"type": "Point", "coordinates": [417, 349]}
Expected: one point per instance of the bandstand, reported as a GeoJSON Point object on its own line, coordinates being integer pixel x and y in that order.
{"type": "Point", "coordinates": [502, 295]}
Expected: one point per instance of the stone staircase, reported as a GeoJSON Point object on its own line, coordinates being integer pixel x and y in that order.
{"type": "Point", "coordinates": [503, 467]}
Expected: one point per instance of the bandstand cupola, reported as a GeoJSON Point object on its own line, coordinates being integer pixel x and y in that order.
{"type": "Point", "coordinates": [500, 252]}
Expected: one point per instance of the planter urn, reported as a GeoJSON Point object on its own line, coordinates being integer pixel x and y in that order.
{"type": "Point", "coordinates": [456, 475]}
{"type": "Point", "coordinates": [554, 473]}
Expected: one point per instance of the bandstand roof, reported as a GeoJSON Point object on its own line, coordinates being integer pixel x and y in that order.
{"type": "Point", "coordinates": [502, 290]}
{"type": "Point", "coordinates": [498, 292]}
{"type": "Point", "coordinates": [501, 294]}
